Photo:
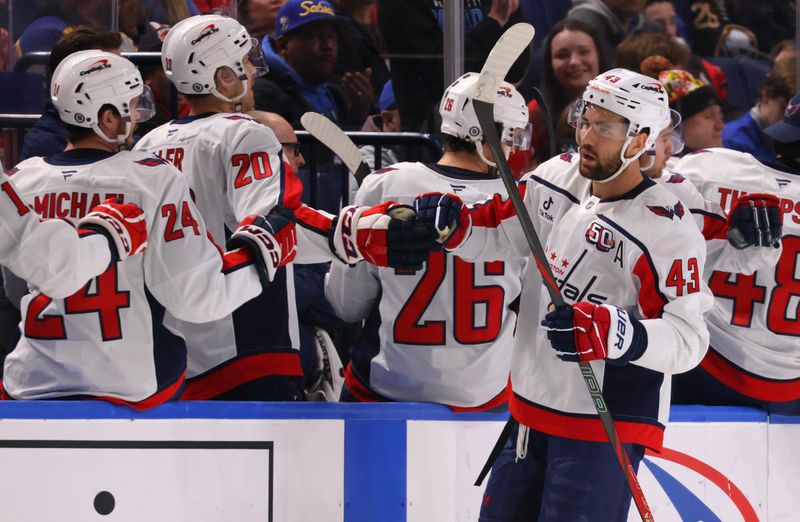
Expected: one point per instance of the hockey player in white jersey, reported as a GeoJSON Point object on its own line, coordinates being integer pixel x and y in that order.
{"type": "Point", "coordinates": [754, 353]}
{"type": "Point", "coordinates": [234, 167]}
{"type": "Point", "coordinates": [56, 258]}
{"type": "Point", "coordinates": [107, 339]}
{"type": "Point", "coordinates": [732, 244]}
{"type": "Point", "coordinates": [629, 262]}
{"type": "Point", "coordinates": [416, 346]}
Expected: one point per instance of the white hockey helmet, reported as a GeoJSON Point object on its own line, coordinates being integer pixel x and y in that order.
{"type": "Point", "coordinates": [86, 81]}
{"type": "Point", "coordinates": [198, 46]}
{"type": "Point", "coordinates": [458, 113]}
{"type": "Point", "coordinates": [641, 100]}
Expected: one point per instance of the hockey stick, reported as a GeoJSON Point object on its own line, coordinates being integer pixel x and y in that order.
{"type": "Point", "coordinates": [335, 139]}
{"type": "Point", "coordinates": [505, 52]}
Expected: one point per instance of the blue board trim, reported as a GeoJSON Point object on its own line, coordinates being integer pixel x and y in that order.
{"type": "Point", "coordinates": [324, 410]}
{"type": "Point", "coordinates": [375, 477]}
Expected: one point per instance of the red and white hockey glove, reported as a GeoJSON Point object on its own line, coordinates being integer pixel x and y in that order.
{"type": "Point", "coordinates": [755, 221]}
{"type": "Point", "coordinates": [446, 215]}
{"type": "Point", "coordinates": [384, 235]}
{"type": "Point", "coordinates": [587, 332]}
{"type": "Point", "coordinates": [271, 238]}
{"type": "Point", "coordinates": [123, 224]}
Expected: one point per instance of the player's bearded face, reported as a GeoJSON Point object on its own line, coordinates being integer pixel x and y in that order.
{"type": "Point", "coordinates": [601, 135]}
{"type": "Point", "coordinates": [596, 164]}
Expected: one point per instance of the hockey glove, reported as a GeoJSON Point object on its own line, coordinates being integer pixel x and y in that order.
{"type": "Point", "coordinates": [123, 225]}
{"type": "Point", "coordinates": [446, 215]}
{"type": "Point", "coordinates": [587, 332]}
{"type": "Point", "coordinates": [271, 238]}
{"type": "Point", "coordinates": [755, 220]}
{"type": "Point", "coordinates": [384, 235]}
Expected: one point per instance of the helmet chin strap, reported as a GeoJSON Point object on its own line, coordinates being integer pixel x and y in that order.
{"type": "Point", "coordinates": [236, 100]}
{"type": "Point", "coordinates": [625, 161]}
{"type": "Point", "coordinates": [120, 138]}
{"type": "Point", "coordinates": [492, 164]}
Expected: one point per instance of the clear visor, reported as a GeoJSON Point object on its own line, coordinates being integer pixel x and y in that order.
{"type": "Point", "coordinates": [255, 61]}
{"type": "Point", "coordinates": [143, 107]}
{"type": "Point", "coordinates": [518, 138]}
{"type": "Point", "coordinates": [675, 133]}
{"type": "Point", "coordinates": [582, 118]}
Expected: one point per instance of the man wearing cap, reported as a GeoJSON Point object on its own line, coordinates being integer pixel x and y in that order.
{"type": "Point", "coordinates": [754, 354]}
{"type": "Point", "coordinates": [746, 134]}
{"type": "Point", "coordinates": [307, 42]}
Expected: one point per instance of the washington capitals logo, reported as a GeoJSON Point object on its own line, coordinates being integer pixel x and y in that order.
{"type": "Point", "coordinates": [667, 211]}
{"type": "Point", "coordinates": [676, 178]}
{"type": "Point", "coordinates": [567, 156]}
{"type": "Point", "coordinates": [151, 162]}
{"type": "Point", "coordinates": [504, 91]}
{"type": "Point", "coordinates": [12, 171]}
{"type": "Point", "coordinates": [99, 65]}
{"type": "Point", "coordinates": [384, 170]}
{"type": "Point", "coordinates": [654, 87]}
{"type": "Point", "coordinates": [205, 33]}
{"type": "Point", "coordinates": [790, 110]}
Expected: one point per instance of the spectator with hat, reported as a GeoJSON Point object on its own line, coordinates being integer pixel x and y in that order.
{"type": "Point", "coordinates": [695, 100]}
{"type": "Point", "coordinates": [306, 41]}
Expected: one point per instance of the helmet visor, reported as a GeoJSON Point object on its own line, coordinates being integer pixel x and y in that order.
{"type": "Point", "coordinates": [143, 107]}
{"type": "Point", "coordinates": [255, 61]}
{"type": "Point", "coordinates": [521, 137]}
{"type": "Point", "coordinates": [675, 133]}
{"type": "Point", "coordinates": [584, 119]}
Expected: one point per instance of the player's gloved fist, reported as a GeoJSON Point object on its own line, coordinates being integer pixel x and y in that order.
{"type": "Point", "coordinates": [446, 215]}
{"type": "Point", "coordinates": [271, 238]}
{"type": "Point", "coordinates": [755, 220]}
{"type": "Point", "coordinates": [123, 224]}
{"type": "Point", "coordinates": [587, 332]}
{"type": "Point", "coordinates": [384, 235]}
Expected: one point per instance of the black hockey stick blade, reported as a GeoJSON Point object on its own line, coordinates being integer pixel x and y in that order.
{"type": "Point", "coordinates": [497, 65]}
{"type": "Point", "coordinates": [511, 423]}
{"type": "Point", "coordinates": [330, 135]}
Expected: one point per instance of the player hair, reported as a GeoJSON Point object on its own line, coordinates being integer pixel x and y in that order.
{"type": "Point", "coordinates": [82, 38]}
{"type": "Point", "coordinates": [454, 144]}
{"type": "Point", "coordinates": [75, 133]}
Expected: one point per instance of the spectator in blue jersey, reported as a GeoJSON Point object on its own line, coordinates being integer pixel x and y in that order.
{"type": "Point", "coordinates": [47, 137]}
{"type": "Point", "coordinates": [747, 133]}
{"type": "Point", "coordinates": [306, 41]}
{"type": "Point", "coordinates": [413, 30]}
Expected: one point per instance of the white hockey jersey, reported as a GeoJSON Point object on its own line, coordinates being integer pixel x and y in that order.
{"type": "Point", "coordinates": [713, 223]}
{"type": "Point", "coordinates": [70, 261]}
{"type": "Point", "coordinates": [233, 166]}
{"type": "Point", "coordinates": [755, 322]}
{"type": "Point", "coordinates": [443, 334]}
{"type": "Point", "coordinates": [107, 340]}
{"type": "Point", "coordinates": [639, 251]}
